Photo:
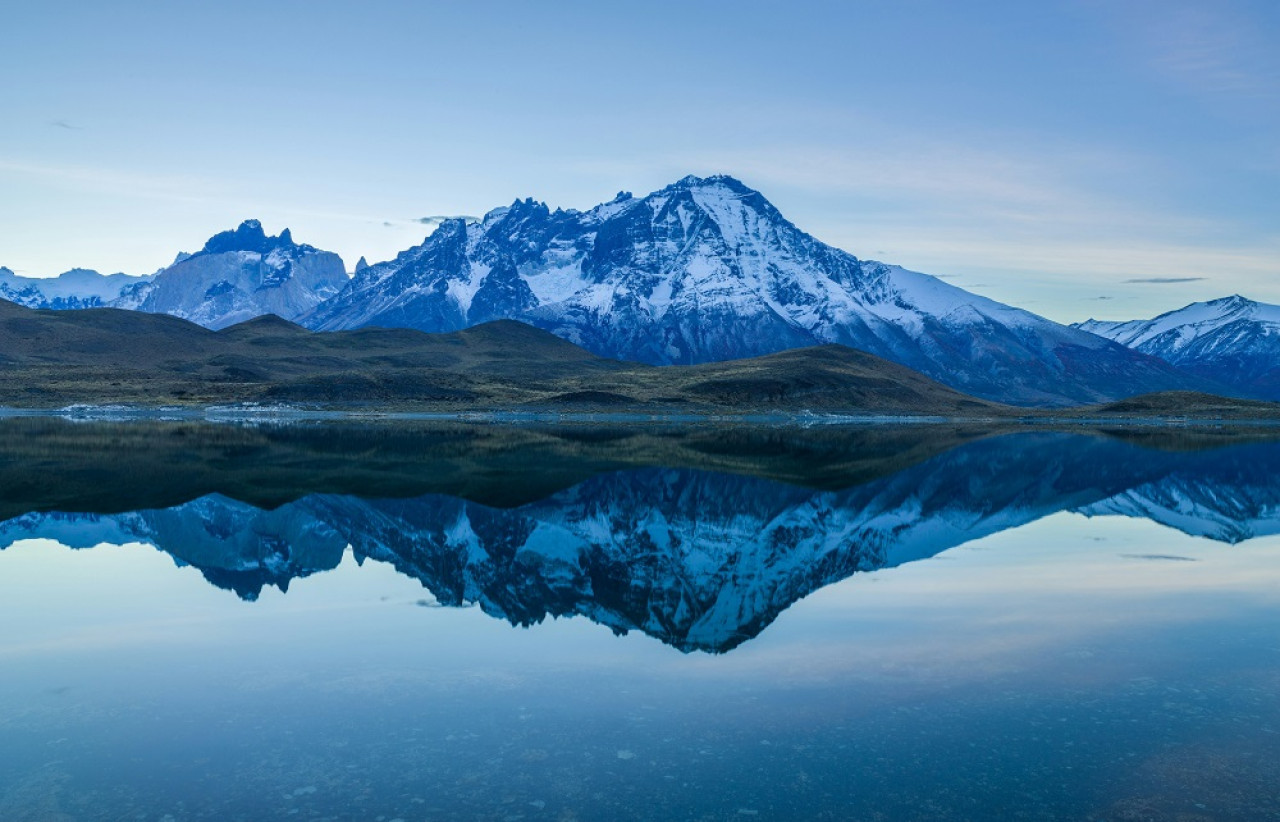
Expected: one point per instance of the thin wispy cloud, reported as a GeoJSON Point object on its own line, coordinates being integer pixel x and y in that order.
{"type": "Point", "coordinates": [66, 125]}
{"type": "Point", "coordinates": [1166, 280]}
{"type": "Point", "coordinates": [437, 219]}
{"type": "Point", "coordinates": [1208, 48]}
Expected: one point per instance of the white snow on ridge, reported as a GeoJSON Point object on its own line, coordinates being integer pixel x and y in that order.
{"type": "Point", "coordinates": [79, 287]}
{"type": "Point", "coordinates": [1175, 330]}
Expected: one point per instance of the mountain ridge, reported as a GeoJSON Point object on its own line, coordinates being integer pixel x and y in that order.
{"type": "Point", "coordinates": [1232, 340]}
{"type": "Point", "coordinates": [238, 275]}
{"type": "Point", "coordinates": [705, 269]}
{"type": "Point", "coordinates": [73, 289]}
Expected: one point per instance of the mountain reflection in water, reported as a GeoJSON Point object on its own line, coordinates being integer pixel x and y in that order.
{"type": "Point", "coordinates": [699, 538]}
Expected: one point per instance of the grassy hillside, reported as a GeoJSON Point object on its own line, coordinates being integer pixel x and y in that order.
{"type": "Point", "coordinates": [1192, 404]}
{"type": "Point", "coordinates": [102, 356]}
{"type": "Point", "coordinates": [111, 356]}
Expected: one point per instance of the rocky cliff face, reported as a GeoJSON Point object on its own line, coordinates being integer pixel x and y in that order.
{"type": "Point", "coordinates": [239, 275]}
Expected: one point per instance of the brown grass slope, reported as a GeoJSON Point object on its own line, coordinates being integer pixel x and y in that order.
{"type": "Point", "coordinates": [1187, 404]}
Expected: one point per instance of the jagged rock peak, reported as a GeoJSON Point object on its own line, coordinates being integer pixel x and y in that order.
{"type": "Point", "coordinates": [727, 181]}
{"type": "Point", "coordinates": [248, 236]}
{"type": "Point", "coordinates": [361, 264]}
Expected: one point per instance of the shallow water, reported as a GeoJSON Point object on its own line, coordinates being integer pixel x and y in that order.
{"type": "Point", "coordinates": [721, 625]}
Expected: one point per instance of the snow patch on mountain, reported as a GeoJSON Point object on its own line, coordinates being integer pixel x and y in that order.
{"type": "Point", "coordinates": [1175, 330]}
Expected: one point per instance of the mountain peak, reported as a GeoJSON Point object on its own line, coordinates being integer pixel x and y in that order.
{"type": "Point", "coordinates": [248, 236]}
{"type": "Point", "coordinates": [706, 269]}
{"type": "Point", "coordinates": [1232, 340]}
{"type": "Point", "coordinates": [692, 181]}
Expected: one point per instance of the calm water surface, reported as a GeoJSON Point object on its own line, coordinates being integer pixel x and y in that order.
{"type": "Point", "coordinates": [454, 623]}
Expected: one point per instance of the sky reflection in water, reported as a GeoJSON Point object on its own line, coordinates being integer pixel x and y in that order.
{"type": "Point", "coordinates": [1068, 667]}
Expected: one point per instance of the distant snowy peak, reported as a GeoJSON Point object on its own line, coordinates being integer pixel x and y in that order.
{"type": "Point", "coordinates": [77, 288]}
{"type": "Point", "coordinates": [707, 269]}
{"type": "Point", "coordinates": [242, 274]}
{"type": "Point", "coordinates": [1175, 330]}
{"type": "Point", "coordinates": [1233, 340]}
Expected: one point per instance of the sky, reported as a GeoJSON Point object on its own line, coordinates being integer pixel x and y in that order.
{"type": "Point", "coordinates": [1079, 158]}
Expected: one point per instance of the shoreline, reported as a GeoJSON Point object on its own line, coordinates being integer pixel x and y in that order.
{"type": "Point", "coordinates": [253, 412]}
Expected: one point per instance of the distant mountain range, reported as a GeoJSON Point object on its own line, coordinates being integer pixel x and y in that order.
{"type": "Point", "coordinates": [1233, 340]}
{"type": "Point", "coordinates": [704, 270]}
{"type": "Point", "coordinates": [77, 288]}
{"type": "Point", "coordinates": [239, 275]}
{"type": "Point", "coordinates": [236, 276]}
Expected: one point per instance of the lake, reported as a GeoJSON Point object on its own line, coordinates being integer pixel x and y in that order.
{"type": "Point", "coordinates": [437, 621]}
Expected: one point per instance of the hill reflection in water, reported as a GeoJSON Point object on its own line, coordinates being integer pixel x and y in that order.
{"type": "Point", "coordinates": [699, 537]}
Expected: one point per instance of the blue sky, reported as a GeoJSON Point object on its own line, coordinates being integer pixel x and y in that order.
{"type": "Point", "coordinates": [1107, 159]}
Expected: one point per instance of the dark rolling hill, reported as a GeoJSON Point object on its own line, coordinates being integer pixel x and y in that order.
{"type": "Point", "coordinates": [114, 356]}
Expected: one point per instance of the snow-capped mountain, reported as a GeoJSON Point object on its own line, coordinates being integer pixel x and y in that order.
{"type": "Point", "coordinates": [77, 288]}
{"type": "Point", "coordinates": [239, 275]}
{"type": "Point", "coordinates": [1232, 340]}
{"type": "Point", "coordinates": [707, 269]}
{"type": "Point", "coordinates": [700, 560]}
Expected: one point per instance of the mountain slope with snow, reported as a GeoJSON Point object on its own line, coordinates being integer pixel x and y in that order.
{"type": "Point", "coordinates": [706, 270]}
{"type": "Point", "coordinates": [239, 275]}
{"type": "Point", "coordinates": [77, 288]}
{"type": "Point", "coordinates": [1233, 340]}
